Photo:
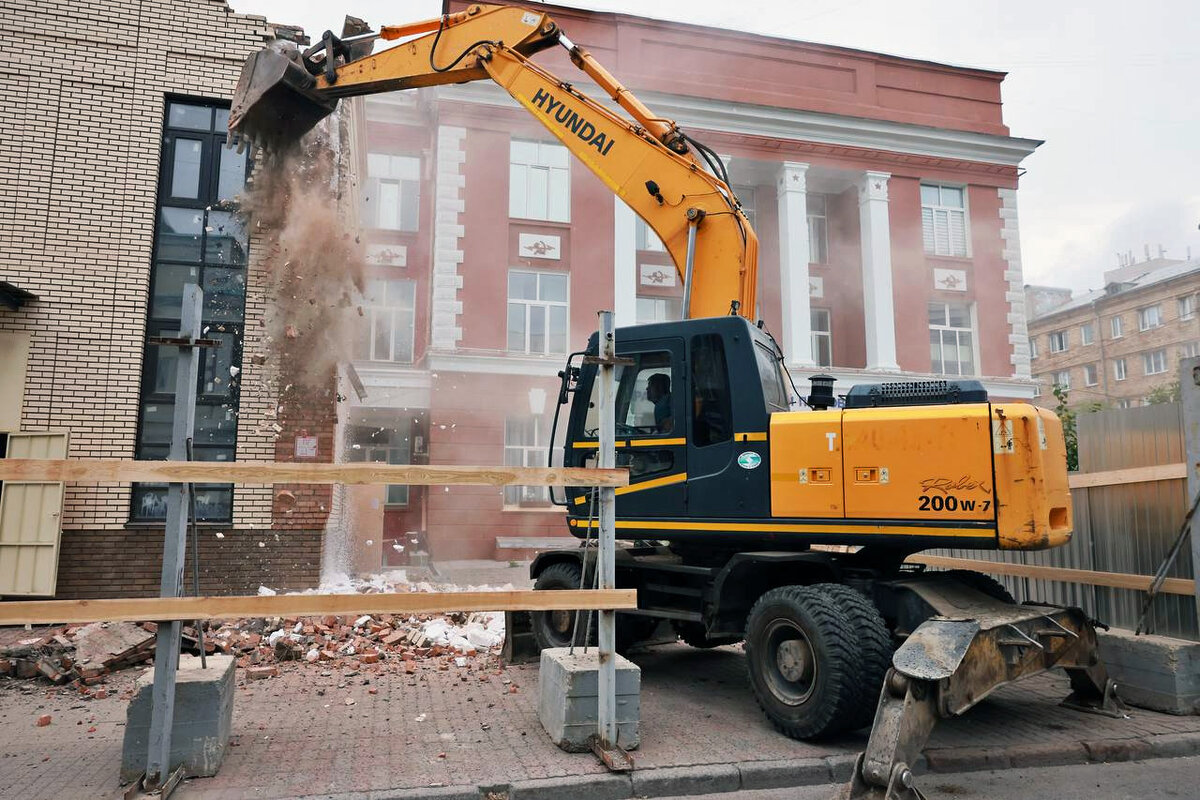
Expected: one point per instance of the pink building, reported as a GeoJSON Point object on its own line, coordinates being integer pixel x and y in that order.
{"type": "Point", "coordinates": [883, 190]}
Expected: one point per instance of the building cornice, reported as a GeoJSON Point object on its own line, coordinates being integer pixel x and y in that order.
{"type": "Point", "coordinates": [806, 127]}
{"type": "Point", "coordinates": [497, 364]}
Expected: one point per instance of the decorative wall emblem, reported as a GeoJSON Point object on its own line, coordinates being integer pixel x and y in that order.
{"type": "Point", "coordinates": [816, 286]}
{"type": "Point", "coordinates": [539, 245]}
{"type": "Point", "coordinates": [387, 255]}
{"type": "Point", "coordinates": [950, 280]}
{"type": "Point", "coordinates": [658, 275]}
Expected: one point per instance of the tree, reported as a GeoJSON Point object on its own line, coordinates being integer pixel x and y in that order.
{"type": "Point", "coordinates": [1066, 415]}
{"type": "Point", "coordinates": [1165, 393]}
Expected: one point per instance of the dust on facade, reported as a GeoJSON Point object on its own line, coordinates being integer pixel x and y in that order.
{"type": "Point", "coordinates": [883, 190]}
{"type": "Point", "coordinates": [1118, 346]}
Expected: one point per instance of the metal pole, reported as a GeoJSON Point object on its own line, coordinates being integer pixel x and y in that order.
{"type": "Point", "coordinates": [1189, 401]}
{"type": "Point", "coordinates": [607, 458]}
{"type": "Point", "coordinates": [166, 652]}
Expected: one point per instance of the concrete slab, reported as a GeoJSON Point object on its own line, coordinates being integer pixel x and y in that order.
{"type": "Point", "coordinates": [1155, 672]}
{"type": "Point", "coordinates": [203, 718]}
{"type": "Point", "coordinates": [568, 686]}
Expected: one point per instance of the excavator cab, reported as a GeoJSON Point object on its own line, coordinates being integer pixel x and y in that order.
{"type": "Point", "coordinates": [693, 405]}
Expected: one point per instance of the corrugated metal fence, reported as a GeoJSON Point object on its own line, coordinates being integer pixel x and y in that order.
{"type": "Point", "coordinates": [1125, 528]}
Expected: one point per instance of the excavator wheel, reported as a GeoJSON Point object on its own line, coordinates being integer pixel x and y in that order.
{"type": "Point", "coordinates": [981, 583]}
{"type": "Point", "coordinates": [553, 628]}
{"type": "Point", "coordinates": [802, 654]}
{"type": "Point", "coordinates": [874, 643]}
{"type": "Point", "coordinates": [694, 634]}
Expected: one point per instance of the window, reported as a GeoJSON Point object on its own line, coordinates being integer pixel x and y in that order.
{"type": "Point", "coordinates": [658, 309]}
{"type": "Point", "coordinates": [1089, 375]}
{"type": "Point", "coordinates": [745, 196]}
{"type": "Point", "coordinates": [1033, 353]}
{"type": "Point", "coordinates": [710, 390]}
{"type": "Point", "coordinates": [951, 343]}
{"type": "Point", "coordinates": [525, 446]}
{"type": "Point", "coordinates": [818, 233]}
{"type": "Point", "coordinates": [537, 312]}
{"type": "Point", "coordinates": [1119, 369]}
{"type": "Point", "coordinates": [387, 323]}
{"type": "Point", "coordinates": [1190, 350]}
{"type": "Point", "coordinates": [1063, 378]}
{"type": "Point", "coordinates": [1125, 402]}
{"type": "Point", "coordinates": [1037, 390]}
{"type": "Point", "coordinates": [1155, 362]}
{"type": "Point", "coordinates": [1187, 307]}
{"type": "Point", "coordinates": [644, 401]}
{"type": "Point", "coordinates": [774, 394]}
{"type": "Point", "coordinates": [1058, 341]}
{"type": "Point", "coordinates": [392, 197]}
{"type": "Point", "coordinates": [944, 220]}
{"type": "Point", "coordinates": [539, 181]}
{"type": "Point", "coordinates": [647, 239]}
{"type": "Point", "coordinates": [1149, 317]}
{"type": "Point", "coordinates": [822, 337]}
{"type": "Point", "coordinates": [384, 445]}
{"type": "Point", "coordinates": [1118, 327]}
{"type": "Point", "coordinates": [199, 238]}
{"type": "Point", "coordinates": [1087, 333]}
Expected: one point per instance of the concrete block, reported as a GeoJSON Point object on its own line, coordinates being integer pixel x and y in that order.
{"type": "Point", "coordinates": [1155, 672]}
{"type": "Point", "coordinates": [569, 698]}
{"type": "Point", "coordinates": [203, 718]}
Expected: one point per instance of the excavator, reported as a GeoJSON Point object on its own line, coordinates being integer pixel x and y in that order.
{"type": "Point", "coordinates": [746, 520]}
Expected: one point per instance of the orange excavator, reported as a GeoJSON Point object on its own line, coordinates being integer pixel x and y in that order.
{"type": "Point", "coordinates": [734, 498]}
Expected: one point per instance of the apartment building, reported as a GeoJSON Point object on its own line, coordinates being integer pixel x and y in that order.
{"type": "Point", "coordinates": [1118, 344]}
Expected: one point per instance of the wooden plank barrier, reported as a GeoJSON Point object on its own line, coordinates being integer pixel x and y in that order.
{"type": "Point", "coordinates": [1116, 477]}
{"type": "Point", "coordinates": [1118, 580]}
{"type": "Point", "coordinates": [165, 609]}
{"type": "Point", "coordinates": [82, 470]}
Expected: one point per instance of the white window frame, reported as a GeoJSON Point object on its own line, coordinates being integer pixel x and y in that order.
{"type": "Point", "coordinates": [396, 494]}
{"type": "Point", "coordinates": [545, 304]}
{"type": "Point", "coordinates": [817, 213]}
{"type": "Point", "coordinates": [1144, 317]}
{"type": "Point", "coordinates": [1033, 347]}
{"type": "Point", "coordinates": [821, 333]}
{"type": "Point", "coordinates": [930, 215]}
{"type": "Point", "coordinates": [1117, 326]}
{"type": "Point", "coordinates": [1060, 341]}
{"type": "Point", "coordinates": [1189, 350]}
{"type": "Point", "coordinates": [1124, 402]}
{"type": "Point", "coordinates": [1062, 378]}
{"type": "Point", "coordinates": [540, 179]}
{"type": "Point", "coordinates": [1149, 361]}
{"type": "Point", "coordinates": [1087, 333]}
{"type": "Point", "coordinates": [1119, 369]}
{"type": "Point", "coordinates": [1187, 307]}
{"type": "Point", "coordinates": [525, 455]}
{"type": "Point", "coordinates": [647, 239]}
{"type": "Point", "coordinates": [1090, 375]}
{"type": "Point", "coordinates": [971, 331]}
{"type": "Point", "coordinates": [388, 172]}
{"type": "Point", "coordinates": [664, 309]}
{"type": "Point", "coordinates": [392, 314]}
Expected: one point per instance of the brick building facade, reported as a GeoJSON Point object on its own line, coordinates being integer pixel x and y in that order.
{"type": "Point", "coordinates": [99, 96]}
{"type": "Point", "coordinates": [883, 191]}
{"type": "Point", "coordinates": [1118, 344]}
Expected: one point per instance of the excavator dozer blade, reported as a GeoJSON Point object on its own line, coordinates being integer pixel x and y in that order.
{"type": "Point", "coordinates": [276, 101]}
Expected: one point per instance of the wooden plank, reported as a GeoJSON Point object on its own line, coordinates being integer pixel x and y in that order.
{"type": "Point", "coordinates": [1117, 580]}
{"type": "Point", "coordinates": [84, 470]}
{"type": "Point", "coordinates": [1114, 477]}
{"type": "Point", "coordinates": [165, 609]}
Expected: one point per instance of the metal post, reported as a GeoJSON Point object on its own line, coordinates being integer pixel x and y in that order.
{"type": "Point", "coordinates": [166, 652]}
{"type": "Point", "coordinates": [1189, 397]}
{"type": "Point", "coordinates": [607, 459]}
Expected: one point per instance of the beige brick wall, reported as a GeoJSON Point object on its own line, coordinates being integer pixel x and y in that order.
{"type": "Point", "coordinates": [82, 116]}
{"type": "Point", "coordinates": [1173, 335]}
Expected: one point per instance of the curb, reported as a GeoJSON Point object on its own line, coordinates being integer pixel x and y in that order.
{"type": "Point", "coordinates": [787, 773]}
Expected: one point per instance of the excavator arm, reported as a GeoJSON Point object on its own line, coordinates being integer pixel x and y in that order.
{"type": "Point", "coordinates": [647, 161]}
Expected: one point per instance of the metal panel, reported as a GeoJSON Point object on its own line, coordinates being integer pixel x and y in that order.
{"type": "Point", "coordinates": [1123, 528]}
{"type": "Point", "coordinates": [30, 517]}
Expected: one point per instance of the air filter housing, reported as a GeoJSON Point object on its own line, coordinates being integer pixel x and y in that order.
{"type": "Point", "coordinates": [915, 393]}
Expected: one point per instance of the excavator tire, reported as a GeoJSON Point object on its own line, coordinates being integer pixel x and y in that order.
{"type": "Point", "coordinates": [982, 583]}
{"type": "Point", "coordinates": [694, 634]}
{"type": "Point", "coordinates": [802, 657]}
{"type": "Point", "coordinates": [874, 643]}
{"type": "Point", "coordinates": [553, 628]}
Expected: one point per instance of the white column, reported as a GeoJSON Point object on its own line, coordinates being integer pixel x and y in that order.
{"type": "Point", "coordinates": [625, 268]}
{"type": "Point", "coordinates": [792, 190]}
{"type": "Point", "coordinates": [880, 317]}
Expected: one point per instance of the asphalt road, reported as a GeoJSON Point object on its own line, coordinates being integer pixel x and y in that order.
{"type": "Point", "coordinates": [1134, 780]}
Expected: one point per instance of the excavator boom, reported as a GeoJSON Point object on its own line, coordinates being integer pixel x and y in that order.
{"type": "Point", "coordinates": [671, 181]}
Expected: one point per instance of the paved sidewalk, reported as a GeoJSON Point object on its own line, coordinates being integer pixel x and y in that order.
{"type": "Point", "coordinates": [445, 732]}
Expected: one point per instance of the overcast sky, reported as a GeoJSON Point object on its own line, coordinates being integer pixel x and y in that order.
{"type": "Point", "coordinates": [1111, 86]}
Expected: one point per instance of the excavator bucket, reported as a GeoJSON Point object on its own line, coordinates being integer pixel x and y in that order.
{"type": "Point", "coordinates": [276, 101]}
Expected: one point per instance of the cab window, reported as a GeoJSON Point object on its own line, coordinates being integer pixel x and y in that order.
{"type": "Point", "coordinates": [710, 392]}
{"type": "Point", "coordinates": [774, 393]}
{"type": "Point", "coordinates": [645, 402]}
